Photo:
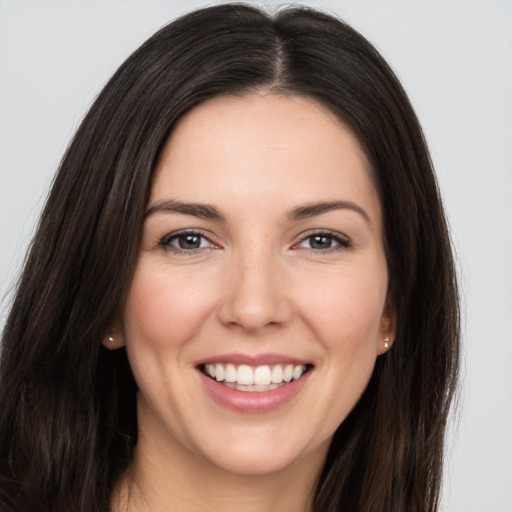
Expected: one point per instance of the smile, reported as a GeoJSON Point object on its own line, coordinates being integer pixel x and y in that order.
{"type": "Point", "coordinates": [254, 378]}
{"type": "Point", "coordinates": [254, 383]}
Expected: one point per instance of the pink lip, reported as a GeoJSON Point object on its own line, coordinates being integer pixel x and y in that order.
{"type": "Point", "coordinates": [253, 360]}
{"type": "Point", "coordinates": [252, 402]}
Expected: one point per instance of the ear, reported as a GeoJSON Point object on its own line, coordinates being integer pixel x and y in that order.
{"type": "Point", "coordinates": [114, 337]}
{"type": "Point", "coordinates": [387, 327]}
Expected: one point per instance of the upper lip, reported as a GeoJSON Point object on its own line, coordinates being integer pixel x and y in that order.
{"type": "Point", "coordinates": [253, 360]}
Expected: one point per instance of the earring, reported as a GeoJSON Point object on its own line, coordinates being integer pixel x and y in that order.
{"type": "Point", "coordinates": [111, 338]}
{"type": "Point", "coordinates": [386, 342]}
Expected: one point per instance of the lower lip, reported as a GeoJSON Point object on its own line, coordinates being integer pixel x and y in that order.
{"type": "Point", "coordinates": [253, 401]}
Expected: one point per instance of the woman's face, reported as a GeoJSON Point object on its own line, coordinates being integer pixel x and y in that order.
{"type": "Point", "coordinates": [262, 261]}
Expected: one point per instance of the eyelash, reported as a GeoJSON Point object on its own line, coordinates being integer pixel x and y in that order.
{"type": "Point", "coordinates": [341, 241]}
{"type": "Point", "coordinates": [167, 241]}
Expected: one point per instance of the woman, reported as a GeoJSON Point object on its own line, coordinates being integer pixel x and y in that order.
{"type": "Point", "coordinates": [241, 294]}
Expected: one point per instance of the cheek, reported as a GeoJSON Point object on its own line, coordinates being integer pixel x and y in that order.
{"type": "Point", "coordinates": [346, 313]}
{"type": "Point", "coordinates": [164, 308]}
{"type": "Point", "coordinates": [346, 321]}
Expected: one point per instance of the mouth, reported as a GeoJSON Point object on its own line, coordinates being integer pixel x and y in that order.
{"type": "Point", "coordinates": [243, 377]}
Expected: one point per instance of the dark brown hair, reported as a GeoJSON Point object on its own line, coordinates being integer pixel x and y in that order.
{"type": "Point", "coordinates": [67, 406]}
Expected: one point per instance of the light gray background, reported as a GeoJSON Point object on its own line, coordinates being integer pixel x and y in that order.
{"type": "Point", "coordinates": [455, 60]}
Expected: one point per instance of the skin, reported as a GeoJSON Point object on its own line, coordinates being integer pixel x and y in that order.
{"type": "Point", "coordinates": [257, 284]}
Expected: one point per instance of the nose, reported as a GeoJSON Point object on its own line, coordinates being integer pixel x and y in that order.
{"type": "Point", "coordinates": [256, 295]}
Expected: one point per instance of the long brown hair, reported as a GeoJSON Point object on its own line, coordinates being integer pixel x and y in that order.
{"type": "Point", "coordinates": [68, 423]}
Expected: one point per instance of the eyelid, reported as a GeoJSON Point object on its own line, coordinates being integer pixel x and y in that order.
{"type": "Point", "coordinates": [343, 241]}
{"type": "Point", "coordinates": [165, 241]}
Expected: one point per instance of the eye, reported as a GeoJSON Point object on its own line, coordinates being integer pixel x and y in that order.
{"type": "Point", "coordinates": [186, 242]}
{"type": "Point", "coordinates": [324, 242]}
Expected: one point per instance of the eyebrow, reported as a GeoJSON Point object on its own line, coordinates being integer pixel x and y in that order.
{"type": "Point", "coordinates": [200, 210]}
{"type": "Point", "coordinates": [207, 211]}
{"type": "Point", "coordinates": [314, 209]}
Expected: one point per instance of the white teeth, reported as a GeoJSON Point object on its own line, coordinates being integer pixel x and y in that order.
{"type": "Point", "coordinates": [256, 387]}
{"type": "Point", "coordinates": [230, 374]}
{"type": "Point", "coordinates": [259, 378]}
{"type": "Point", "coordinates": [262, 375]}
{"type": "Point", "coordinates": [219, 372]}
{"type": "Point", "coordinates": [245, 375]}
{"type": "Point", "coordinates": [288, 373]}
{"type": "Point", "coordinates": [277, 374]}
{"type": "Point", "coordinates": [298, 371]}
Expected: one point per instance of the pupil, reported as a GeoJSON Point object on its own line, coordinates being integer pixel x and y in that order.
{"type": "Point", "coordinates": [320, 242]}
{"type": "Point", "coordinates": [189, 242]}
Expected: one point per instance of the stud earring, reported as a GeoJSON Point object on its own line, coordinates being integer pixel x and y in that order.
{"type": "Point", "coordinates": [386, 342]}
{"type": "Point", "coordinates": [111, 338]}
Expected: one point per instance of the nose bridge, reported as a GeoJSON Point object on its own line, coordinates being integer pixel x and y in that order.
{"type": "Point", "coordinates": [255, 295]}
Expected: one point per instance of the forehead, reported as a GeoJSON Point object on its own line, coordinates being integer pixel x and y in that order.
{"type": "Point", "coordinates": [285, 148]}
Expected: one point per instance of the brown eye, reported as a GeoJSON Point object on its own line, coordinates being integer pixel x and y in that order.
{"type": "Point", "coordinates": [320, 242]}
{"type": "Point", "coordinates": [186, 242]}
{"type": "Point", "coordinates": [324, 242]}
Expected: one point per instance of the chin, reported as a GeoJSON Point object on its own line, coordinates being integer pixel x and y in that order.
{"type": "Point", "coordinates": [265, 455]}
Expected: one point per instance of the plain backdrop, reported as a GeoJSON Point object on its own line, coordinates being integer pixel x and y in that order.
{"type": "Point", "coordinates": [454, 59]}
